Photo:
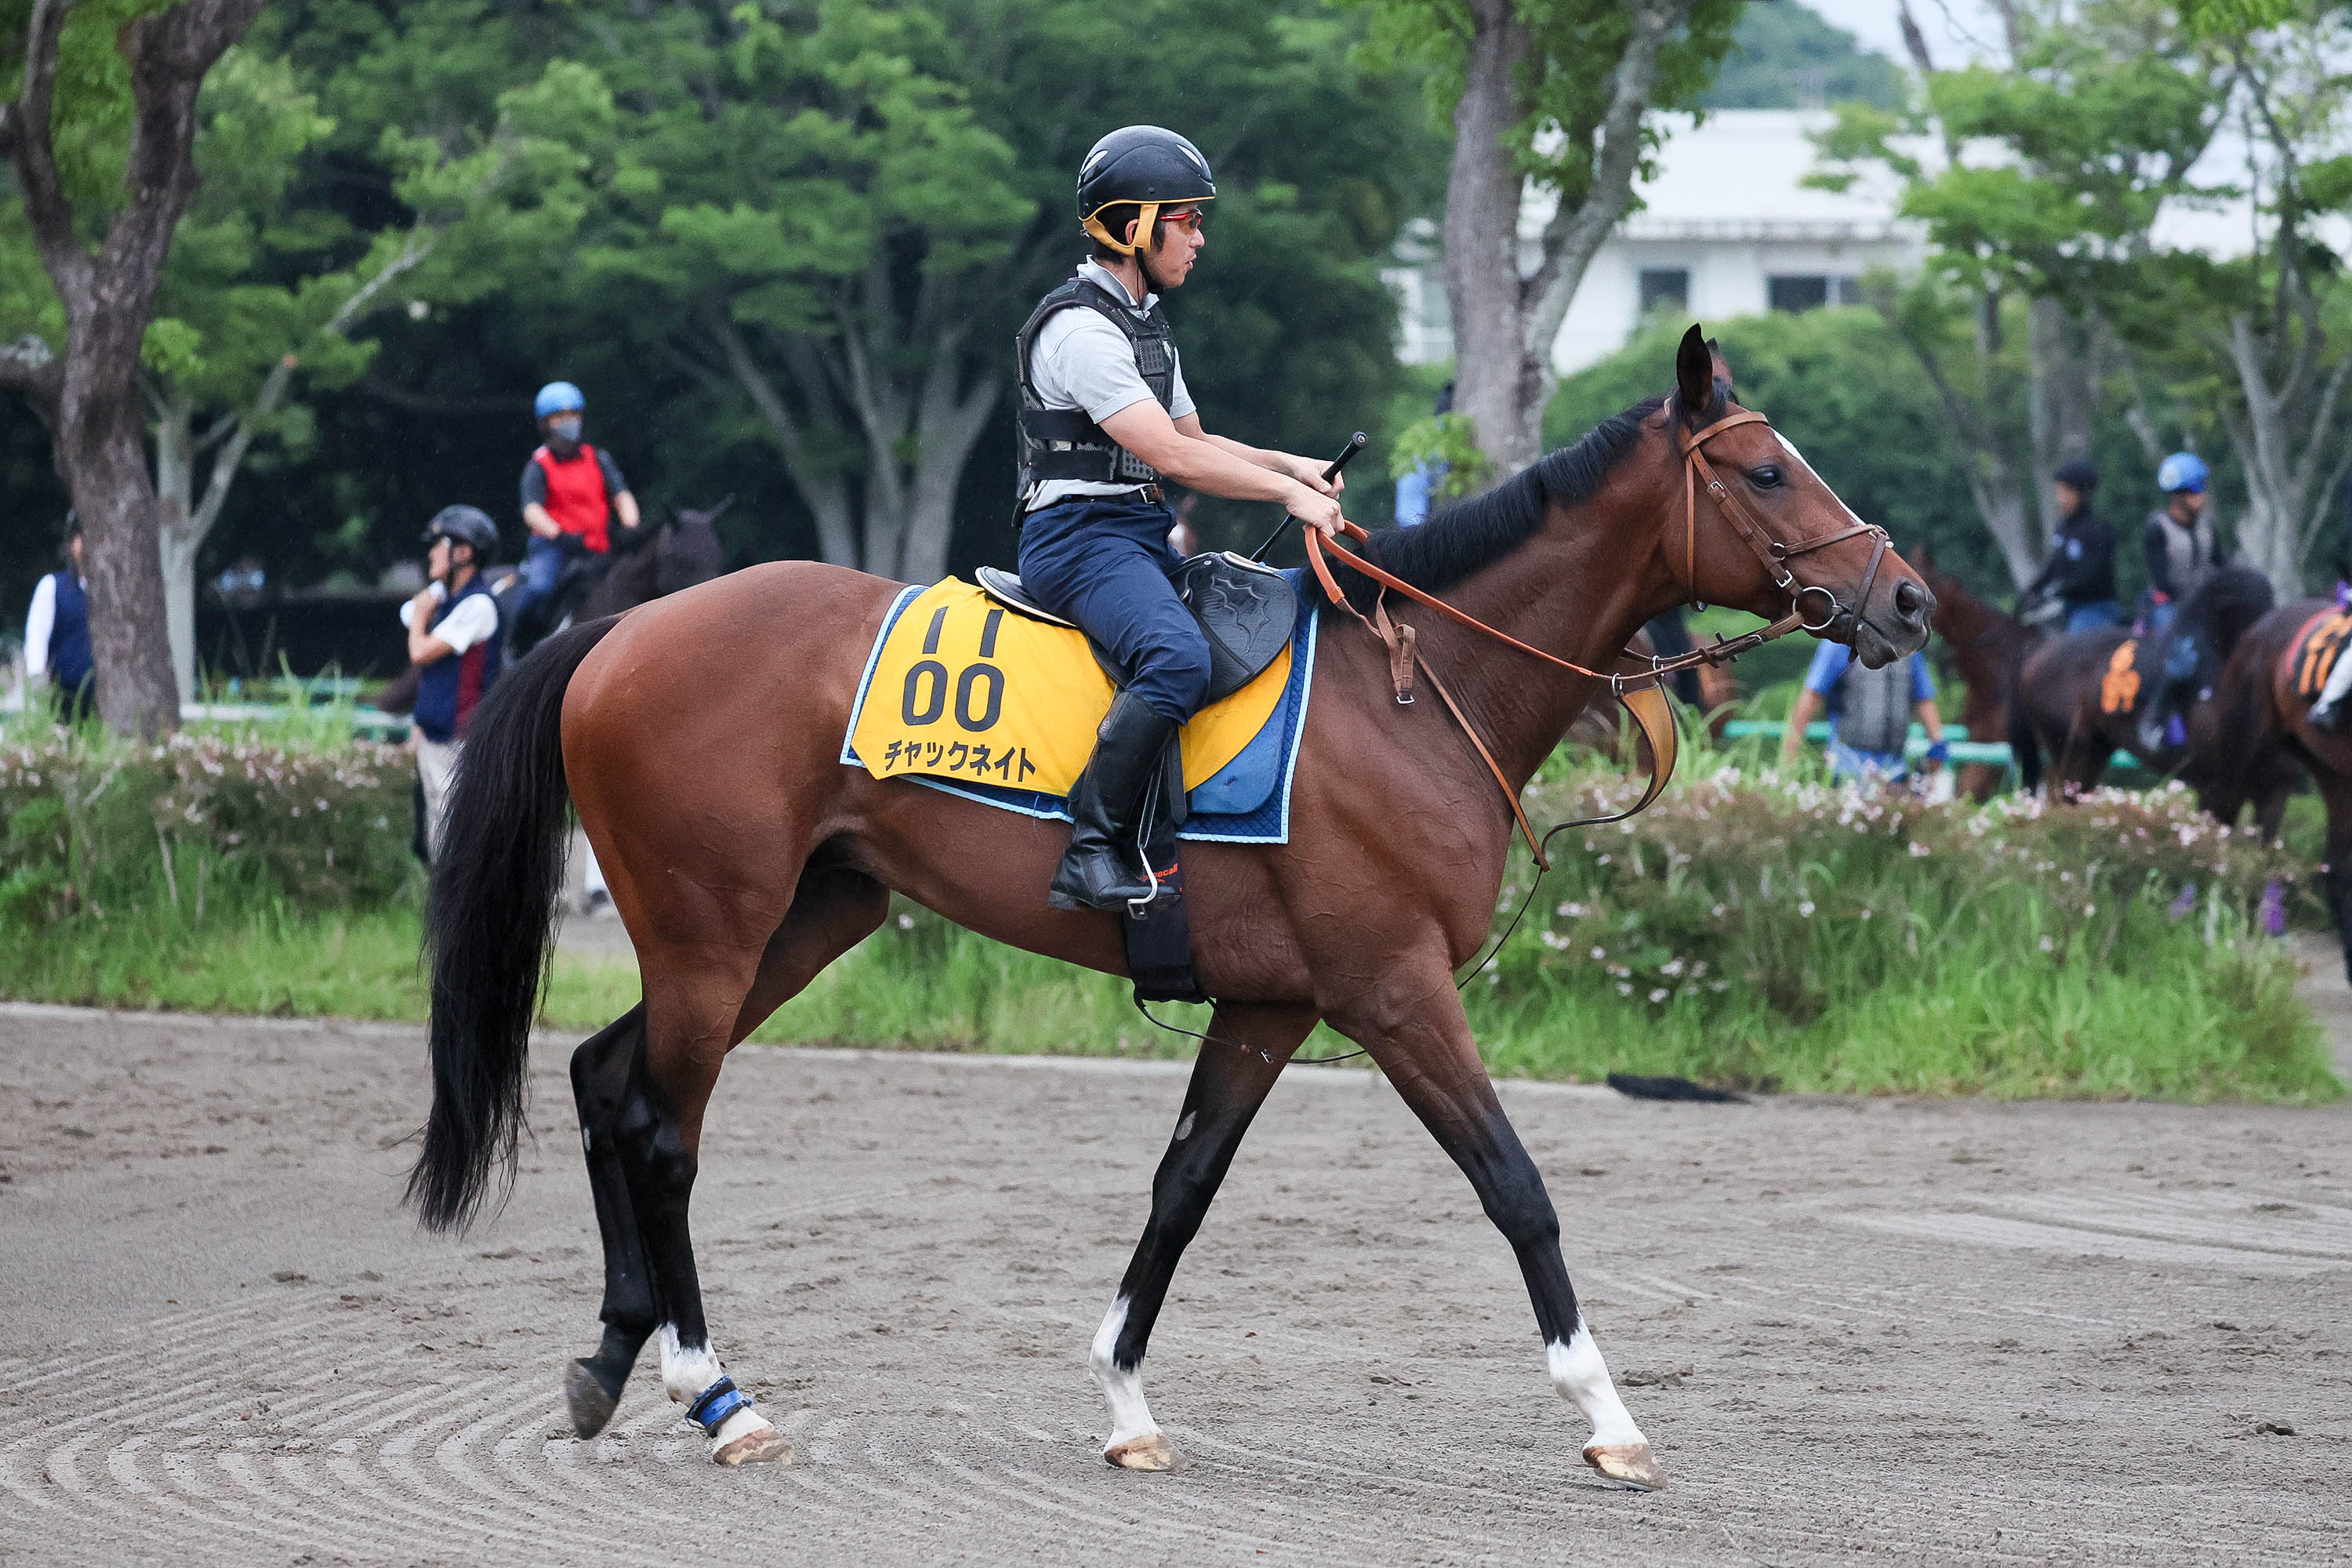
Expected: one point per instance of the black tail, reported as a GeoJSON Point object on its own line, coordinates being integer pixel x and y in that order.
{"type": "Point", "coordinates": [487, 927]}
{"type": "Point", "coordinates": [2023, 748]}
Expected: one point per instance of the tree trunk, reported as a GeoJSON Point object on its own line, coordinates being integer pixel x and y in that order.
{"type": "Point", "coordinates": [108, 299]}
{"type": "Point", "coordinates": [1482, 234]}
{"type": "Point", "coordinates": [1506, 319]}
{"type": "Point", "coordinates": [948, 425]}
{"type": "Point", "coordinates": [177, 535]}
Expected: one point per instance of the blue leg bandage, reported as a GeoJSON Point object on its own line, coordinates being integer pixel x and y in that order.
{"type": "Point", "coordinates": [719, 1401]}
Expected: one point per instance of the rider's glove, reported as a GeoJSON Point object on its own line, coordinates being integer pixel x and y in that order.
{"type": "Point", "coordinates": [1938, 751]}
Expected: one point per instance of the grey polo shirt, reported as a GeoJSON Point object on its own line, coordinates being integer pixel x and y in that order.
{"type": "Point", "coordinates": [1081, 361]}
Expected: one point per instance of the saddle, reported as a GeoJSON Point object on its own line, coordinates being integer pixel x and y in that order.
{"type": "Point", "coordinates": [1245, 611]}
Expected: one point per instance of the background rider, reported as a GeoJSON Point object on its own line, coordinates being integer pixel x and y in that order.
{"type": "Point", "coordinates": [2081, 571]}
{"type": "Point", "coordinates": [571, 492]}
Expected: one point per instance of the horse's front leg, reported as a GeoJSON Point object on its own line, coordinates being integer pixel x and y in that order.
{"type": "Point", "coordinates": [1230, 1081]}
{"type": "Point", "coordinates": [1413, 1024]}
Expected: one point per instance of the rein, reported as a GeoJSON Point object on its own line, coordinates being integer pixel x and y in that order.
{"type": "Point", "coordinates": [1638, 691]}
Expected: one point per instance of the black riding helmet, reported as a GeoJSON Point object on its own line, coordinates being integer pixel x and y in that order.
{"type": "Point", "coordinates": [465, 525]}
{"type": "Point", "coordinates": [1143, 167]}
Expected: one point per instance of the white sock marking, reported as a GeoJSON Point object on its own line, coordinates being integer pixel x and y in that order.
{"type": "Point", "coordinates": [687, 1372]}
{"type": "Point", "coordinates": [1581, 1377]}
{"type": "Point", "coordinates": [1129, 1416]}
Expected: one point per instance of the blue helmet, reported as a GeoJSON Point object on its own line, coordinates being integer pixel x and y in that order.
{"type": "Point", "coordinates": [2182, 471]}
{"type": "Point", "coordinates": [558, 398]}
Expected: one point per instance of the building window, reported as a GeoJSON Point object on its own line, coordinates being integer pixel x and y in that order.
{"type": "Point", "coordinates": [1664, 285]}
{"type": "Point", "coordinates": [1811, 291]}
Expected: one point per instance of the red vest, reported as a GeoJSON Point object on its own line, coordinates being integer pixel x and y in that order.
{"type": "Point", "coordinates": [575, 495]}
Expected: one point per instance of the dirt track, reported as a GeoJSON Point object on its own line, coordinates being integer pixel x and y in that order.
{"type": "Point", "coordinates": [1958, 1332]}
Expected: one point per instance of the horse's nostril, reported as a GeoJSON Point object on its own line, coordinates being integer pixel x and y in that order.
{"type": "Point", "coordinates": [1909, 600]}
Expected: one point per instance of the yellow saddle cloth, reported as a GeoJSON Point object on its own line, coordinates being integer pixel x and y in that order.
{"type": "Point", "coordinates": [2316, 648]}
{"type": "Point", "coordinates": [960, 688]}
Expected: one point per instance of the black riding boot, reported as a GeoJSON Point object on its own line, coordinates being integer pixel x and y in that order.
{"type": "Point", "coordinates": [1102, 868]}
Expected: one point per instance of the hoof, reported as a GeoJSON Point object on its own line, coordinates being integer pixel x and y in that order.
{"type": "Point", "coordinates": [1152, 1451]}
{"type": "Point", "coordinates": [760, 1446]}
{"type": "Point", "coordinates": [1628, 1463]}
{"type": "Point", "coordinates": [586, 1400]}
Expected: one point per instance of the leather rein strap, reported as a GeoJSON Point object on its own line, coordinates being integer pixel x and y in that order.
{"type": "Point", "coordinates": [1639, 692]}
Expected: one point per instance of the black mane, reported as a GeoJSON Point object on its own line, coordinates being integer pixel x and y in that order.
{"type": "Point", "coordinates": [1479, 531]}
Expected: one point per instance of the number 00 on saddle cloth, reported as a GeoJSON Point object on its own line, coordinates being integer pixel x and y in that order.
{"type": "Point", "coordinates": [960, 688]}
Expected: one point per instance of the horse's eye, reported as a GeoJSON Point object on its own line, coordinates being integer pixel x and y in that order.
{"type": "Point", "coordinates": [1765, 477]}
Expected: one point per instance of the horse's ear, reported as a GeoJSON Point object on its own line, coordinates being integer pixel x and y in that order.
{"type": "Point", "coordinates": [1718, 367]}
{"type": "Point", "coordinates": [1694, 375]}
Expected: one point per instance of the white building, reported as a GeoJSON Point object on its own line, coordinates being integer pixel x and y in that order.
{"type": "Point", "coordinates": [1728, 227]}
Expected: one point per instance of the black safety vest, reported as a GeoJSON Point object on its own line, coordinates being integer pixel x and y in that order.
{"type": "Point", "coordinates": [1063, 443]}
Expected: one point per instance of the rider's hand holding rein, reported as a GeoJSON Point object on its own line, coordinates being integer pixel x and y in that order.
{"type": "Point", "coordinates": [1217, 465]}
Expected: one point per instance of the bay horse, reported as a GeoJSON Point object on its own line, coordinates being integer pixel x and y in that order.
{"type": "Point", "coordinates": [2075, 705]}
{"type": "Point", "coordinates": [2268, 723]}
{"type": "Point", "coordinates": [699, 740]}
{"type": "Point", "coordinates": [1988, 645]}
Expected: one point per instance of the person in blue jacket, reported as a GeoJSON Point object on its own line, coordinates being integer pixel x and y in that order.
{"type": "Point", "coordinates": [56, 632]}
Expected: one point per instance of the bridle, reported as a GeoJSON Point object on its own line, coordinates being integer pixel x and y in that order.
{"type": "Point", "coordinates": [1638, 690]}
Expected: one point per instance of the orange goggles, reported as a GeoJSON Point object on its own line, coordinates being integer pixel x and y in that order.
{"type": "Point", "coordinates": [1188, 220]}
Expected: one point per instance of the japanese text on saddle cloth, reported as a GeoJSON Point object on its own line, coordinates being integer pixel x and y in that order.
{"type": "Point", "coordinates": [961, 687]}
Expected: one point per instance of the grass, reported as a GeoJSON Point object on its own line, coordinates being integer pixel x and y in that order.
{"type": "Point", "coordinates": [1755, 929]}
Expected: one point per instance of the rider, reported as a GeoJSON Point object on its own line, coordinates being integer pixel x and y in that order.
{"type": "Point", "coordinates": [571, 492]}
{"type": "Point", "coordinates": [1104, 418]}
{"type": "Point", "coordinates": [2182, 552]}
{"type": "Point", "coordinates": [2081, 571]}
{"type": "Point", "coordinates": [453, 638]}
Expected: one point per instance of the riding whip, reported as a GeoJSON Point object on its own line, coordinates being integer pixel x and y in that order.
{"type": "Point", "coordinates": [1355, 445]}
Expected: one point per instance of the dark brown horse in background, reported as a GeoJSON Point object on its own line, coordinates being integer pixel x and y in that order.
{"type": "Point", "coordinates": [2268, 722]}
{"type": "Point", "coordinates": [2074, 704]}
{"type": "Point", "coordinates": [700, 739]}
{"type": "Point", "coordinates": [1988, 647]}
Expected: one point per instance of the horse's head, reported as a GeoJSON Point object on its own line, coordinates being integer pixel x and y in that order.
{"type": "Point", "coordinates": [1757, 528]}
{"type": "Point", "coordinates": [688, 549]}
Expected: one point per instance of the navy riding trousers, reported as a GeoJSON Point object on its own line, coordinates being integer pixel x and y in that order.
{"type": "Point", "coordinates": [1104, 563]}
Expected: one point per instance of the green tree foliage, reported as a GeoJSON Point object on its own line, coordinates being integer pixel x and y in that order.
{"type": "Point", "coordinates": [1784, 56]}
{"type": "Point", "coordinates": [2048, 176]}
{"type": "Point", "coordinates": [864, 200]}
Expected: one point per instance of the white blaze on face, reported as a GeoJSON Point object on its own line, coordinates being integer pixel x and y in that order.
{"type": "Point", "coordinates": [1129, 1416]}
{"type": "Point", "coordinates": [1799, 459]}
{"type": "Point", "coordinates": [686, 1374]}
{"type": "Point", "coordinates": [1578, 1372]}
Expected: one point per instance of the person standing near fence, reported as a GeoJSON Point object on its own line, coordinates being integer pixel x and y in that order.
{"type": "Point", "coordinates": [56, 632]}
{"type": "Point", "coordinates": [1870, 713]}
{"type": "Point", "coordinates": [453, 639]}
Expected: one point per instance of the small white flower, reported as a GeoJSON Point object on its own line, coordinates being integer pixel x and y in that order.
{"type": "Point", "coordinates": [1602, 861]}
{"type": "Point", "coordinates": [1919, 850]}
{"type": "Point", "coordinates": [1806, 908]}
{"type": "Point", "coordinates": [1865, 914]}
{"type": "Point", "coordinates": [2048, 945]}
{"type": "Point", "coordinates": [1660, 994]}
{"type": "Point", "coordinates": [906, 922]}
{"type": "Point", "coordinates": [1600, 954]}
{"type": "Point", "coordinates": [1623, 989]}
{"type": "Point", "coordinates": [1671, 967]}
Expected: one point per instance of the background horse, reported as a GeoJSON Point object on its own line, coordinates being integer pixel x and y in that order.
{"type": "Point", "coordinates": [699, 740]}
{"type": "Point", "coordinates": [2074, 703]}
{"type": "Point", "coordinates": [2268, 724]}
{"type": "Point", "coordinates": [1988, 646]}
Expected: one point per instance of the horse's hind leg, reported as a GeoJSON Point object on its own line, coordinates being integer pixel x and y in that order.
{"type": "Point", "coordinates": [699, 1004]}
{"type": "Point", "coordinates": [607, 1083]}
{"type": "Point", "coordinates": [1413, 1026]}
{"type": "Point", "coordinates": [1230, 1081]}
